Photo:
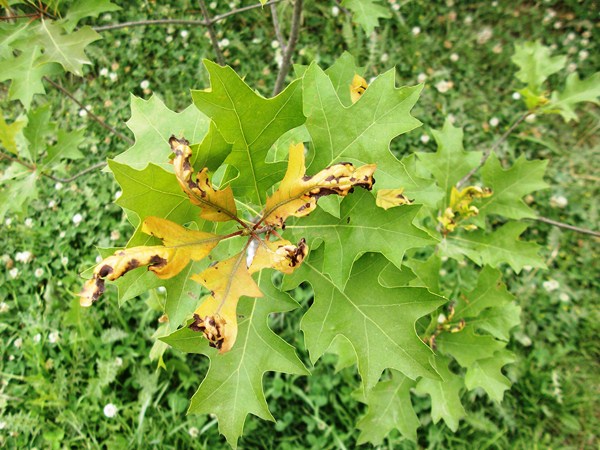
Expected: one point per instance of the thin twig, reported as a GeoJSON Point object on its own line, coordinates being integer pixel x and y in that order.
{"type": "Point", "coordinates": [566, 226]}
{"type": "Point", "coordinates": [211, 32]}
{"type": "Point", "coordinates": [17, 160]}
{"type": "Point", "coordinates": [291, 46]}
{"type": "Point", "coordinates": [96, 166]}
{"type": "Point", "coordinates": [492, 149]}
{"type": "Point", "coordinates": [91, 114]}
{"type": "Point", "coordinates": [277, 27]}
{"type": "Point", "coordinates": [215, 19]}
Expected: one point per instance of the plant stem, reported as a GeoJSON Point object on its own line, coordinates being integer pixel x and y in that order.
{"type": "Point", "coordinates": [91, 114]}
{"type": "Point", "coordinates": [566, 226]}
{"type": "Point", "coordinates": [277, 27]}
{"type": "Point", "coordinates": [492, 149]}
{"type": "Point", "coordinates": [291, 46]}
{"type": "Point", "coordinates": [211, 32]}
{"type": "Point", "coordinates": [96, 166]}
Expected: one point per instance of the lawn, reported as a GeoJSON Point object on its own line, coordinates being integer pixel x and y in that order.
{"type": "Point", "coordinates": [91, 378]}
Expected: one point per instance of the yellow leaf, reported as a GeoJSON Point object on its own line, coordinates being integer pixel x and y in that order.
{"type": "Point", "coordinates": [216, 317]}
{"type": "Point", "coordinates": [180, 246]}
{"type": "Point", "coordinates": [357, 88]}
{"type": "Point", "coordinates": [388, 198]}
{"type": "Point", "coordinates": [280, 255]}
{"type": "Point", "coordinates": [297, 194]}
{"type": "Point", "coordinates": [217, 206]}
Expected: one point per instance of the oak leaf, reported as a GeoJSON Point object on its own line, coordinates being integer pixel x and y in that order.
{"type": "Point", "coordinates": [180, 245]}
{"type": "Point", "coordinates": [217, 206]}
{"type": "Point", "coordinates": [297, 194]}
{"type": "Point", "coordinates": [357, 88]}
{"type": "Point", "coordinates": [388, 198]}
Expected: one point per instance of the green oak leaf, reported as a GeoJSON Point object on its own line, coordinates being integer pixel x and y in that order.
{"type": "Point", "coordinates": [362, 227]}
{"type": "Point", "coordinates": [252, 124]}
{"type": "Point", "coordinates": [576, 91]}
{"type": "Point", "coordinates": [86, 8]}
{"type": "Point", "coordinates": [66, 147]}
{"type": "Point", "coordinates": [39, 128]}
{"type": "Point", "coordinates": [500, 246]}
{"type": "Point", "coordinates": [487, 374]}
{"type": "Point", "coordinates": [445, 394]}
{"type": "Point", "coordinates": [467, 347]}
{"type": "Point", "coordinates": [212, 151]}
{"type": "Point", "coordinates": [427, 273]}
{"type": "Point", "coordinates": [489, 292]}
{"type": "Point", "coordinates": [152, 124]}
{"type": "Point", "coordinates": [17, 194]}
{"type": "Point", "coordinates": [341, 73]}
{"type": "Point", "coordinates": [536, 64]}
{"type": "Point", "coordinates": [232, 388]}
{"type": "Point", "coordinates": [391, 276]}
{"type": "Point", "coordinates": [8, 134]}
{"type": "Point", "coordinates": [361, 133]}
{"type": "Point", "coordinates": [66, 49]}
{"type": "Point", "coordinates": [509, 187]}
{"type": "Point", "coordinates": [11, 33]}
{"type": "Point", "coordinates": [26, 72]}
{"type": "Point", "coordinates": [379, 322]}
{"type": "Point", "coordinates": [389, 407]}
{"type": "Point", "coordinates": [450, 162]}
{"type": "Point", "coordinates": [367, 13]}
{"type": "Point", "coordinates": [344, 350]}
{"type": "Point", "coordinates": [498, 321]}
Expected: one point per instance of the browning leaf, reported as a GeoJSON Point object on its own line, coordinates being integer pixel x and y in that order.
{"type": "Point", "coordinates": [180, 245]}
{"type": "Point", "coordinates": [357, 88]}
{"type": "Point", "coordinates": [280, 255]}
{"type": "Point", "coordinates": [388, 198]}
{"type": "Point", "coordinates": [217, 206]}
{"type": "Point", "coordinates": [216, 317]}
{"type": "Point", "coordinates": [297, 194]}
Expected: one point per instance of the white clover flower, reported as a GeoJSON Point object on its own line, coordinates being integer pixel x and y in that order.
{"type": "Point", "coordinates": [571, 36]}
{"type": "Point", "coordinates": [184, 34]}
{"type": "Point", "coordinates": [115, 235]}
{"type": "Point", "coordinates": [584, 42]}
{"type": "Point", "coordinates": [53, 337]}
{"type": "Point", "coordinates": [37, 338]}
{"type": "Point", "coordinates": [396, 6]}
{"type": "Point", "coordinates": [38, 272]}
{"type": "Point", "coordinates": [497, 49]}
{"type": "Point", "coordinates": [118, 194]}
{"type": "Point", "coordinates": [24, 257]}
{"type": "Point", "coordinates": [113, 76]}
{"type": "Point", "coordinates": [530, 118]}
{"type": "Point", "coordinates": [516, 96]}
{"type": "Point", "coordinates": [441, 318]}
{"type": "Point", "coordinates": [62, 234]}
{"type": "Point", "coordinates": [425, 138]}
{"type": "Point", "coordinates": [416, 31]}
{"type": "Point", "coordinates": [586, 34]}
{"type": "Point", "coordinates": [421, 78]}
{"type": "Point", "coordinates": [256, 40]}
{"type": "Point", "coordinates": [8, 221]}
{"type": "Point", "coordinates": [564, 297]}
{"type": "Point", "coordinates": [274, 44]}
{"type": "Point", "coordinates": [550, 285]}
{"type": "Point", "coordinates": [583, 55]}
{"type": "Point", "coordinates": [468, 20]}
{"type": "Point", "coordinates": [77, 219]}
{"type": "Point", "coordinates": [558, 201]}
{"type": "Point", "coordinates": [110, 410]}
{"type": "Point", "coordinates": [527, 268]}
{"type": "Point", "coordinates": [571, 67]}
{"type": "Point", "coordinates": [443, 272]}
{"type": "Point", "coordinates": [145, 84]}
{"type": "Point", "coordinates": [64, 260]}
{"type": "Point", "coordinates": [2, 425]}
{"type": "Point", "coordinates": [29, 222]}
{"type": "Point", "coordinates": [558, 25]}
{"type": "Point", "coordinates": [104, 72]}
{"type": "Point", "coordinates": [452, 119]}
{"type": "Point", "coordinates": [18, 343]}
{"type": "Point", "coordinates": [194, 432]}
{"type": "Point", "coordinates": [212, 5]}
{"type": "Point", "coordinates": [384, 57]}
{"type": "Point", "coordinates": [14, 273]}
{"type": "Point", "coordinates": [118, 361]}
{"type": "Point", "coordinates": [4, 307]}
{"type": "Point", "coordinates": [494, 121]}
{"type": "Point", "coordinates": [484, 35]}
{"type": "Point", "coordinates": [443, 86]}
{"type": "Point", "coordinates": [335, 11]}
{"type": "Point", "coordinates": [58, 186]}
{"type": "Point", "coordinates": [83, 112]}
{"type": "Point", "coordinates": [224, 42]}
{"type": "Point", "coordinates": [454, 57]}
{"type": "Point", "coordinates": [51, 204]}
{"type": "Point", "coordinates": [169, 39]}
{"type": "Point", "coordinates": [107, 17]}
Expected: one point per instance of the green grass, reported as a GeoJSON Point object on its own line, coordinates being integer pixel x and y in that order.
{"type": "Point", "coordinates": [52, 393]}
